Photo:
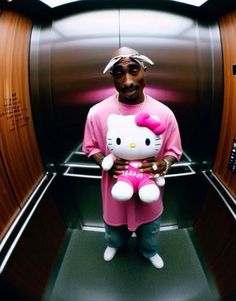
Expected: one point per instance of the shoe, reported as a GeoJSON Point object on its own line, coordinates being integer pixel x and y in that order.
{"type": "Point", "coordinates": [109, 253]}
{"type": "Point", "coordinates": [157, 261]}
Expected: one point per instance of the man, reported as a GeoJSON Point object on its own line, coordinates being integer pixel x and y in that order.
{"type": "Point", "coordinates": [123, 218]}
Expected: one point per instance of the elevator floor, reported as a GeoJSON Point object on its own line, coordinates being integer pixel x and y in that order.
{"type": "Point", "coordinates": [84, 275]}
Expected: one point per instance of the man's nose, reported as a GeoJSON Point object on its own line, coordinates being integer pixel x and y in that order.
{"type": "Point", "coordinates": [128, 80]}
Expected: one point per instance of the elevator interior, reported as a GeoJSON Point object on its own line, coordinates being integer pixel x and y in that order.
{"type": "Point", "coordinates": [69, 47]}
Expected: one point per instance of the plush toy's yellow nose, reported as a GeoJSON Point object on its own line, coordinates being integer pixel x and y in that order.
{"type": "Point", "coordinates": [132, 145]}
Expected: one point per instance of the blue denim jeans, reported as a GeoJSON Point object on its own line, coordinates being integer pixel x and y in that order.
{"type": "Point", "coordinates": [147, 237]}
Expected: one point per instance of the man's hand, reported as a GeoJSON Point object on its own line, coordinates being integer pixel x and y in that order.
{"type": "Point", "coordinates": [119, 166]}
{"type": "Point", "coordinates": [154, 166]}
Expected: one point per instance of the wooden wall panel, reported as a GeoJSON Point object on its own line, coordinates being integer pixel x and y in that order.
{"type": "Point", "coordinates": [8, 203]}
{"type": "Point", "coordinates": [216, 227]}
{"type": "Point", "coordinates": [228, 127]}
{"type": "Point", "coordinates": [18, 143]}
{"type": "Point", "coordinates": [30, 265]}
{"type": "Point", "coordinates": [216, 233]}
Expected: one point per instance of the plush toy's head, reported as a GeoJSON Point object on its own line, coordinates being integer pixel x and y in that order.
{"type": "Point", "coordinates": [134, 137]}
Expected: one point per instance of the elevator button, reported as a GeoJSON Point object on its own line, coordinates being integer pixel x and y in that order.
{"type": "Point", "coordinates": [232, 159]}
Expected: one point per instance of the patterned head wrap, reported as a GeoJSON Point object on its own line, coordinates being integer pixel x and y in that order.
{"type": "Point", "coordinates": [138, 58]}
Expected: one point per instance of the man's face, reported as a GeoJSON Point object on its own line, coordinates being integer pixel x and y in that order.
{"type": "Point", "coordinates": [128, 79]}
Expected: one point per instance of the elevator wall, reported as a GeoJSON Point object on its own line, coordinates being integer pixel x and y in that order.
{"type": "Point", "coordinates": [27, 248]}
{"type": "Point", "coordinates": [228, 128]}
{"type": "Point", "coordinates": [218, 215]}
{"type": "Point", "coordinates": [68, 57]}
{"type": "Point", "coordinates": [20, 160]}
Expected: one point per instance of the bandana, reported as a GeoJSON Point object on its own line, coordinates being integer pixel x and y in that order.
{"type": "Point", "coordinates": [138, 58]}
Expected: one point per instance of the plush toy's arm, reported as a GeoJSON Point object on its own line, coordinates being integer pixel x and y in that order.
{"type": "Point", "coordinates": [108, 162]}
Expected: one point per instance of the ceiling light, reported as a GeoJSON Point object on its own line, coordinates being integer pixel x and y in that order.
{"type": "Point", "coordinates": [192, 2]}
{"type": "Point", "coordinates": [54, 3]}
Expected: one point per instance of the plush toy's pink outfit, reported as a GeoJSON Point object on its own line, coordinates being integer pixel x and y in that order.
{"type": "Point", "coordinates": [135, 178]}
{"type": "Point", "coordinates": [134, 212]}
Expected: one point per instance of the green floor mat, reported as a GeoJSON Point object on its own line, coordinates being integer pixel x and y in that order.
{"type": "Point", "coordinates": [85, 276]}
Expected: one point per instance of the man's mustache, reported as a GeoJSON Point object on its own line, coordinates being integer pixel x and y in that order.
{"type": "Point", "coordinates": [129, 88]}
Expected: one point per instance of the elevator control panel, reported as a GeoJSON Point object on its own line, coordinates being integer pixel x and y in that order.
{"type": "Point", "coordinates": [232, 159]}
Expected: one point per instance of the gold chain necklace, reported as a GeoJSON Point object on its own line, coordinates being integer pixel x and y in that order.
{"type": "Point", "coordinates": [118, 106]}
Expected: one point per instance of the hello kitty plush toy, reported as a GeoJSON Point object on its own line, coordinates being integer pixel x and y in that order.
{"type": "Point", "coordinates": [134, 138]}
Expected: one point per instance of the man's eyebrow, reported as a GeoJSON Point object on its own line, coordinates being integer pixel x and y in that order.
{"type": "Point", "coordinates": [133, 64]}
{"type": "Point", "coordinates": [118, 66]}
{"type": "Point", "coordinates": [124, 65]}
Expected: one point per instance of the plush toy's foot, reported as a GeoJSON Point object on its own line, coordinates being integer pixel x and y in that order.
{"type": "Point", "coordinates": [149, 193]}
{"type": "Point", "coordinates": [160, 181]}
{"type": "Point", "coordinates": [122, 191]}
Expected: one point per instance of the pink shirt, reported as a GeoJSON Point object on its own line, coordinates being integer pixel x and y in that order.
{"type": "Point", "coordinates": [134, 212]}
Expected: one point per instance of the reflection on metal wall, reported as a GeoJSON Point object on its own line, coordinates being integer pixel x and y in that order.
{"type": "Point", "coordinates": [71, 54]}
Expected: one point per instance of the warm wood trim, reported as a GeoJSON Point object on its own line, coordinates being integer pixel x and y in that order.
{"type": "Point", "coordinates": [228, 126]}
{"type": "Point", "coordinates": [30, 265]}
{"type": "Point", "coordinates": [18, 142]}
{"type": "Point", "coordinates": [216, 233]}
{"type": "Point", "coordinates": [8, 203]}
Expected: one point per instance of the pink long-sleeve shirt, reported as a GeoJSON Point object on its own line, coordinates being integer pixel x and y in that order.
{"type": "Point", "coordinates": [132, 213]}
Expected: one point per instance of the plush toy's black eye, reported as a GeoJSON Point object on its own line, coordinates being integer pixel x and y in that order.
{"type": "Point", "coordinates": [118, 141]}
{"type": "Point", "coordinates": [147, 141]}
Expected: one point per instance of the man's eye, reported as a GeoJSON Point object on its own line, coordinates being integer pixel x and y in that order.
{"type": "Point", "coordinates": [117, 73]}
{"type": "Point", "coordinates": [134, 71]}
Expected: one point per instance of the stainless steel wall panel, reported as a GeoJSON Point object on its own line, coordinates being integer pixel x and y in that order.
{"type": "Point", "coordinates": [41, 95]}
{"type": "Point", "coordinates": [74, 50]}
{"type": "Point", "coordinates": [183, 74]}
{"type": "Point", "coordinates": [84, 40]}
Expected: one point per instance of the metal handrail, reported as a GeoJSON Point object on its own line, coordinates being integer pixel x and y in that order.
{"type": "Point", "coordinates": [14, 238]}
{"type": "Point", "coordinates": [88, 176]}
